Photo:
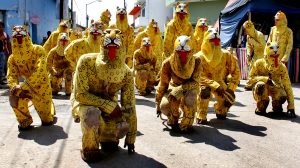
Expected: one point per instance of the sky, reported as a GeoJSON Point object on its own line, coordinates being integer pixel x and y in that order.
{"type": "Point", "coordinates": [95, 8]}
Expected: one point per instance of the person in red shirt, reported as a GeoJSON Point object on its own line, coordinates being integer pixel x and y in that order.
{"type": "Point", "coordinates": [5, 51]}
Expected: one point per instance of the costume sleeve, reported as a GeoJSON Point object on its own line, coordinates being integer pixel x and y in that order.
{"type": "Point", "coordinates": [288, 88]}
{"type": "Point", "coordinates": [137, 41]}
{"type": "Point", "coordinates": [234, 71]}
{"type": "Point", "coordinates": [168, 41]}
{"type": "Point", "coordinates": [12, 73]}
{"type": "Point", "coordinates": [270, 38]}
{"type": "Point", "coordinates": [128, 106]}
{"type": "Point", "coordinates": [289, 46]}
{"type": "Point", "coordinates": [254, 75]}
{"type": "Point", "coordinates": [50, 57]}
{"type": "Point", "coordinates": [48, 43]}
{"type": "Point", "coordinates": [137, 63]}
{"type": "Point", "coordinates": [81, 90]}
{"type": "Point", "coordinates": [130, 47]}
{"type": "Point", "coordinates": [165, 77]}
{"type": "Point", "coordinates": [204, 80]}
{"type": "Point", "coordinates": [70, 54]}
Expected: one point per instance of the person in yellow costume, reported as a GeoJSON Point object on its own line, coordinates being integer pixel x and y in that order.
{"type": "Point", "coordinates": [283, 35]}
{"type": "Point", "coordinates": [75, 34]}
{"type": "Point", "coordinates": [179, 86]}
{"type": "Point", "coordinates": [52, 40]}
{"type": "Point", "coordinates": [98, 79]}
{"type": "Point", "coordinates": [179, 25]}
{"type": "Point", "coordinates": [144, 66]}
{"type": "Point", "coordinates": [255, 46]}
{"type": "Point", "coordinates": [59, 67]}
{"type": "Point", "coordinates": [105, 18]}
{"type": "Point", "coordinates": [154, 34]}
{"type": "Point", "coordinates": [200, 29]}
{"type": "Point", "coordinates": [128, 34]}
{"type": "Point", "coordinates": [29, 62]}
{"type": "Point", "coordinates": [216, 65]}
{"type": "Point", "coordinates": [91, 44]}
{"type": "Point", "coordinates": [270, 78]}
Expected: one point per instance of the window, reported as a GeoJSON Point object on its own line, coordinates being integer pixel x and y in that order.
{"type": "Point", "coordinates": [143, 12]}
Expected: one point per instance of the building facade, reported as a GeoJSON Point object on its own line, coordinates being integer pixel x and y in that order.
{"type": "Point", "coordinates": [40, 15]}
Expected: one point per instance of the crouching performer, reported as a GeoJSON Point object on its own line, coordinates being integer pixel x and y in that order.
{"type": "Point", "coordinates": [216, 67]}
{"type": "Point", "coordinates": [179, 85]}
{"type": "Point", "coordinates": [59, 67]}
{"type": "Point", "coordinates": [144, 66]}
{"type": "Point", "coordinates": [270, 78]}
{"type": "Point", "coordinates": [29, 62]}
{"type": "Point", "coordinates": [97, 80]}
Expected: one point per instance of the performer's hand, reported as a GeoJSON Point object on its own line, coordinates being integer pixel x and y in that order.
{"type": "Point", "coordinates": [158, 113]}
{"type": "Point", "coordinates": [270, 82]}
{"type": "Point", "coordinates": [230, 92]}
{"type": "Point", "coordinates": [117, 113]}
{"type": "Point", "coordinates": [171, 98]}
{"type": "Point", "coordinates": [291, 113]}
{"type": "Point", "coordinates": [15, 89]}
{"type": "Point", "coordinates": [25, 94]}
{"type": "Point", "coordinates": [220, 91]}
{"type": "Point", "coordinates": [130, 148]}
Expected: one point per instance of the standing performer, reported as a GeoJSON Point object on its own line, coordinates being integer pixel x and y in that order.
{"type": "Point", "coordinates": [200, 29]}
{"type": "Point", "coordinates": [283, 36]}
{"type": "Point", "coordinates": [105, 18]}
{"type": "Point", "coordinates": [179, 86]}
{"type": "Point", "coordinates": [59, 67]}
{"type": "Point", "coordinates": [180, 25]}
{"type": "Point", "coordinates": [144, 67]}
{"type": "Point", "coordinates": [270, 78]}
{"type": "Point", "coordinates": [98, 79]}
{"type": "Point", "coordinates": [29, 62]}
{"type": "Point", "coordinates": [128, 34]}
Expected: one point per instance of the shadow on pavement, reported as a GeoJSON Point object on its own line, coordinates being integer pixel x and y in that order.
{"type": "Point", "coordinates": [282, 116]}
{"type": "Point", "coordinates": [235, 125]}
{"type": "Point", "coordinates": [208, 135]}
{"type": "Point", "coordinates": [145, 102]}
{"type": "Point", "coordinates": [122, 159]}
{"type": "Point", "coordinates": [44, 135]}
{"type": "Point", "coordinates": [61, 97]}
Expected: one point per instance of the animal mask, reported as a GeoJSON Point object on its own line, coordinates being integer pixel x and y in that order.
{"type": "Point", "coordinates": [271, 54]}
{"type": "Point", "coordinates": [183, 47]}
{"type": "Point", "coordinates": [280, 19]}
{"type": "Point", "coordinates": [96, 29]}
{"type": "Point", "coordinates": [146, 43]}
{"type": "Point", "coordinates": [111, 42]}
{"type": "Point", "coordinates": [63, 26]}
{"type": "Point", "coordinates": [18, 33]}
{"type": "Point", "coordinates": [182, 10]}
{"type": "Point", "coordinates": [121, 13]}
{"type": "Point", "coordinates": [202, 24]}
{"type": "Point", "coordinates": [249, 28]}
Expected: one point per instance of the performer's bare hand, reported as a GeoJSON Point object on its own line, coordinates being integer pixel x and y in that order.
{"type": "Point", "coordinates": [15, 89]}
{"type": "Point", "coordinates": [25, 94]}
{"type": "Point", "coordinates": [117, 113]}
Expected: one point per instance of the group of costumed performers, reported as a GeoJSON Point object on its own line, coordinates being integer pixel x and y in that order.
{"type": "Point", "coordinates": [189, 67]}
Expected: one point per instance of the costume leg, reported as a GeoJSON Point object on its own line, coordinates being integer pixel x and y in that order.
{"type": "Point", "coordinates": [170, 109]}
{"type": "Point", "coordinates": [22, 113]}
{"type": "Point", "coordinates": [189, 107]}
{"type": "Point", "coordinates": [55, 84]}
{"type": "Point", "coordinates": [261, 96]}
{"type": "Point", "coordinates": [141, 81]}
{"type": "Point", "coordinates": [203, 102]}
{"type": "Point", "coordinates": [68, 81]}
{"type": "Point", "coordinates": [278, 98]}
{"type": "Point", "coordinates": [151, 82]}
{"type": "Point", "coordinates": [44, 107]}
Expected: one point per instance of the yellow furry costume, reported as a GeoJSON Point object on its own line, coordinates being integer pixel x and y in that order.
{"type": "Point", "coordinates": [179, 85]}
{"type": "Point", "coordinates": [105, 18]}
{"type": "Point", "coordinates": [216, 65]}
{"type": "Point", "coordinates": [91, 44]}
{"type": "Point", "coordinates": [59, 67]}
{"type": "Point", "coordinates": [200, 29]}
{"type": "Point", "coordinates": [155, 36]}
{"type": "Point", "coordinates": [98, 79]}
{"type": "Point", "coordinates": [179, 25]}
{"type": "Point", "coordinates": [144, 67]}
{"type": "Point", "coordinates": [29, 62]}
{"type": "Point", "coordinates": [75, 34]}
{"type": "Point", "coordinates": [270, 77]}
{"type": "Point", "coordinates": [52, 40]}
{"type": "Point", "coordinates": [282, 35]}
{"type": "Point", "coordinates": [128, 34]}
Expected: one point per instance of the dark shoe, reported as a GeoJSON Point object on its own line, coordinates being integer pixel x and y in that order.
{"type": "Point", "coordinates": [248, 87]}
{"type": "Point", "coordinates": [201, 121]}
{"type": "Point", "coordinates": [54, 93]}
{"type": "Point", "coordinates": [109, 147]}
{"type": "Point", "coordinates": [50, 123]}
{"type": "Point", "coordinates": [261, 113]}
{"type": "Point", "coordinates": [24, 128]}
{"type": "Point", "coordinates": [90, 156]}
{"type": "Point", "coordinates": [149, 90]}
{"type": "Point", "coordinates": [68, 94]}
{"type": "Point", "coordinates": [221, 116]}
{"type": "Point", "coordinates": [187, 131]}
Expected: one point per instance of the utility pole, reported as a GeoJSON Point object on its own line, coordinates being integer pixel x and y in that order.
{"type": "Point", "coordinates": [72, 21]}
{"type": "Point", "coordinates": [125, 4]}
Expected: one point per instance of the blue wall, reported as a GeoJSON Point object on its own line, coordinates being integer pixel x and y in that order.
{"type": "Point", "coordinates": [46, 10]}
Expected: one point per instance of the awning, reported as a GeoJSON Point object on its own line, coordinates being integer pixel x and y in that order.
{"type": "Point", "coordinates": [135, 11]}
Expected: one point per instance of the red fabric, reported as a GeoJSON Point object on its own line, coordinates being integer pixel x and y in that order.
{"type": "Point", "coordinates": [183, 55]}
{"type": "Point", "coordinates": [216, 41]}
{"type": "Point", "coordinates": [275, 56]}
{"type": "Point", "coordinates": [112, 52]}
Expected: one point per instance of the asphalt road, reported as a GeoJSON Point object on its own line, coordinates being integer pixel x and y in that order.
{"type": "Point", "coordinates": [243, 140]}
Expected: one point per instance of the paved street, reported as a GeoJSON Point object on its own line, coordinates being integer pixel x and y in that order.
{"type": "Point", "coordinates": [243, 140]}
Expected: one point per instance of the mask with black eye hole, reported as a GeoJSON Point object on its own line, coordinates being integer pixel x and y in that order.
{"type": "Point", "coordinates": [214, 36]}
{"type": "Point", "coordinates": [202, 23]}
{"type": "Point", "coordinates": [112, 42]}
{"type": "Point", "coordinates": [271, 52]}
{"type": "Point", "coordinates": [121, 12]}
{"type": "Point", "coordinates": [183, 47]}
{"type": "Point", "coordinates": [96, 30]}
{"type": "Point", "coordinates": [19, 32]}
{"type": "Point", "coordinates": [146, 43]}
{"type": "Point", "coordinates": [64, 39]}
{"type": "Point", "coordinates": [181, 10]}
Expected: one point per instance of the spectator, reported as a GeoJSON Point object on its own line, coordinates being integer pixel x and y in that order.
{"type": "Point", "coordinates": [5, 51]}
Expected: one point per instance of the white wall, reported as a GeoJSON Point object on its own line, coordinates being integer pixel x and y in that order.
{"type": "Point", "coordinates": [157, 10]}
